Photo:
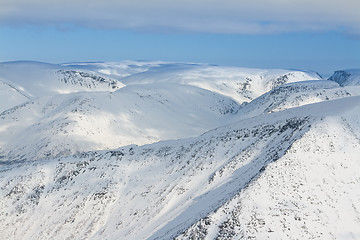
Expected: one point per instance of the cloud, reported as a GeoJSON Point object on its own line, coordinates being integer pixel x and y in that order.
{"type": "Point", "coordinates": [199, 16]}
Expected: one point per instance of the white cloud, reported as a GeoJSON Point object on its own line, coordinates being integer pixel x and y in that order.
{"type": "Point", "coordinates": [211, 16]}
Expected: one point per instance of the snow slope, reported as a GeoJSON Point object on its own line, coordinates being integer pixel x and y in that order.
{"type": "Point", "coordinates": [138, 114]}
{"type": "Point", "coordinates": [10, 96]}
{"type": "Point", "coordinates": [284, 175]}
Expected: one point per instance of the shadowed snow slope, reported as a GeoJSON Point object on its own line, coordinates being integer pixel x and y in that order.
{"type": "Point", "coordinates": [347, 77]}
{"type": "Point", "coordinates": [269, 176]}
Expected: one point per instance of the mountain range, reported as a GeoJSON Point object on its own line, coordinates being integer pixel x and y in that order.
{"type": "Point", "coordinates": [158, 150]}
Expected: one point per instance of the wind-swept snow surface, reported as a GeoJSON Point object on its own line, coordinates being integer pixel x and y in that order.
{"type": "Point", "coordinates": [282, 166]}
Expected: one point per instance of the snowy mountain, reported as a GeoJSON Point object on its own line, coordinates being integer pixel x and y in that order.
{"type": "Point", "coordinates": [278, 160]}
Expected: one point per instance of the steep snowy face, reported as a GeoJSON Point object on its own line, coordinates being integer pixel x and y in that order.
{"type": "Point", "coordinates": [346, 77]}
{"type": "Point", "coordinates": [266, 176]}
{"type": "Point", "coordinates": [87, 80]}
{"type": "Point", "coordinates": [35, 79]}
{"type": "Point", "coordinates": [137, 114]}
{"type": "Point", "coordinates": [296, 94]}
{"type": "Point", "coordinates": [241, 84]}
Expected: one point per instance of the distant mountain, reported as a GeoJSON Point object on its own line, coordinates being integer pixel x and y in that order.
{"type": "Point", "coordinates": [241, 84]}
{"type": "Point", "coordinates": [35, 79]}
{"type": "Point", "coordinates": [173, 101]}
{"type": "Point", "coordinates": [155, 150]}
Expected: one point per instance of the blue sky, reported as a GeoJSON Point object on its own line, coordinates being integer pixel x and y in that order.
{"type": "Point", "coordinates": [323, 36]}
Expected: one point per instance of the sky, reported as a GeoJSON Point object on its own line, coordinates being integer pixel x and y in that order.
{"type": "Point", "coordinates": [319, 35]}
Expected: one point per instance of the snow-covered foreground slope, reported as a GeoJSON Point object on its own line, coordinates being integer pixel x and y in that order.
{"type": "Point", "coordinates": [290, 174]}
{"type": "Point", "coordinates": [138, 114]}
{"type": "Point", "coordinates": [241, 84]}
{"type": "Point", "coordinates": [312, 192]}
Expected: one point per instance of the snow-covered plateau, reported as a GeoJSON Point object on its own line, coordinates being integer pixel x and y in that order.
{"type": "Point", "coordinates": [157, 150]}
